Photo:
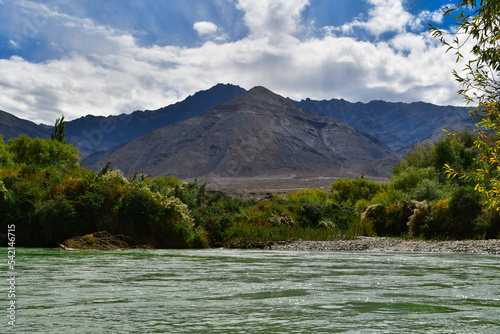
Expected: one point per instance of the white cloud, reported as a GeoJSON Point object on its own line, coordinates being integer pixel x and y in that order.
{"type": "Point", "coordinates": [204, 28]}
{"type": "Point", "coordinates": [276, 18]}
{"type": "Point", "coordinates": [391, 16]}
{"type": "Point", "coordinates": [424, 17]}
{"type": "Point", "coordinates": [13, 44]}
{"type": "Point", "coordinates": [109, 73]}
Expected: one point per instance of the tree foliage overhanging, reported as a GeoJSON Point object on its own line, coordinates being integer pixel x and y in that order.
{"type": "Point", "coordinates": [478, 27]}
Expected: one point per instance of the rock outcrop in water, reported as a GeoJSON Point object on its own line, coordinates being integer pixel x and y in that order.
{"type": "Point", "coordinates": [98, 240]}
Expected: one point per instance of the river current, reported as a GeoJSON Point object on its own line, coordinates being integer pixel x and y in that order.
{"type": "Point", "coordinates": [253, 291]}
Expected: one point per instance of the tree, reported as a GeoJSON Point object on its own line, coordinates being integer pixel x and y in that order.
{"type": "Point", "coordinates": [479, 23]}
{"type": "Point", "coordinates": [59, 133]}
{"type": "Point", "coordinates": [349, 191]}
{"type": "Point", "coordinates": [43, 153]}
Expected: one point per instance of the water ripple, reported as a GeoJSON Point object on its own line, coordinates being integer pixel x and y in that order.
{"type": "Point", "coordinates": [236, 291]}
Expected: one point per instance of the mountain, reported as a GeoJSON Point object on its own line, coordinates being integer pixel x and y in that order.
{"type": "Point", "coordinates": [12, 126]}
{"type": "Point", "coordinates": [97, 133]}
{"type": "Point", "coordinates": [397, 125]}
{"type": "Point", "coordinates": [460, 125]}
{"type": "Point", "coordinates": [256, 134]}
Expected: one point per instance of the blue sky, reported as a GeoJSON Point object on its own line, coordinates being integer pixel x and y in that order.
{"type": "Point", "coordinates": [79, 57]}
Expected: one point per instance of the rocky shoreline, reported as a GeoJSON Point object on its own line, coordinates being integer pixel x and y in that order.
{"type": "Point", "coordinates": [383, 244]}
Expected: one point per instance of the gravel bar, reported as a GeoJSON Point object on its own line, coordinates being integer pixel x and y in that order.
{"type": "Point", "coordinates": [383, 244]}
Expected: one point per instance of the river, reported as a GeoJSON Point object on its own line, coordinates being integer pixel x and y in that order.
{"type": "Point", "coordinates": [253, 291]}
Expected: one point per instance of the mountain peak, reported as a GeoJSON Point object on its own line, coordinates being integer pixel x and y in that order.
{"type": "Point", "coordinates": [263, 91]}
{"type": "Point", "coordinates": [256, 134]}
{"type": "Point", "coordinates": [260, 95]}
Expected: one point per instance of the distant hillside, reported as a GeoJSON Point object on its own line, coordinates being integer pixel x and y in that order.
{"type": "Point", "coordinates": [12, 126]}
{"type": "Point", "coordinates": [256, 134]}
{"type": "Point", "coordinates": [460, 125]}
{"type": "Point", "coordinates": [97, 133]}
{"type": "Point", "coordinates": [397, 125]}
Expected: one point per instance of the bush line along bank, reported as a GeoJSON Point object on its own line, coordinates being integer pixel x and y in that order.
{"type": "Point", "coordinates": [50, 197]}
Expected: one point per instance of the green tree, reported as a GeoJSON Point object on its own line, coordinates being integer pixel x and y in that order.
{"type": "Point", "coordinates": [479, 23]}
{"type": "Point", "coordinates": [5, 156]}
{"type": "Point", "coordinates": [59, 133]}
{"type": "Point", "coordinates": [349, 191]}
{"type": "Point", "coordinates": [43, 153]}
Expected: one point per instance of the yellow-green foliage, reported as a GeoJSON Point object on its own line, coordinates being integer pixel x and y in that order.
{"type": "Point", "coordinates": [362, 204]}
{"type": "Point", "coordinates": [51, 198]}
{"type": "Point", "coordinates": [43, 153]}
{"type": "Point", "coordinates": [349, 191]}
{"type": "Point", "coordinates": [398, 214]}
{"type": "Point", "coordinates": [5, 156]}
{"type": "Point", "coordinates": [477, 23]}
{"type": "Point", "coordinates": [308, 195]}
{"type": "Point", "coordinates": [419, 218]}
{"type": "Point", "coordinates": [364, 226]}
{"type": "Point", "coordinates": [431, 220]}
{"type": "Point", "coordinates": [373, 220]}
{"type": "Point", "coordinates": [408, 178]}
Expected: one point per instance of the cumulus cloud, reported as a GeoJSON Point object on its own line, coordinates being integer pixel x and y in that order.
{"type": "Point", "coordinates": [113, 74]}
{"type": "Point", "coordinates": [390, 16]}
{"type": "Point", "coordinates": [278, 18]}
{"type": "Point", "coordinates": [204, 28]}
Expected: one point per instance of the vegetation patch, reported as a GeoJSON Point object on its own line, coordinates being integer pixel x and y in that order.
{"type": "Point", "coordinates": [97, 240]}
{"type": "Point", "coordinates": [51, 199]}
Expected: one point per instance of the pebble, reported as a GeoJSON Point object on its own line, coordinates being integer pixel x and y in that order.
{"type": "Point", "coordinates": [384, 244]}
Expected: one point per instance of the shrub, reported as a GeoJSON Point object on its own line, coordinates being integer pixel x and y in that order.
{"type": "Point", "coordinates": [308, 196]}
{"type": "Point", "coordinates": [362, 204]}
{"type": "Point", "coordinates": [464, 208]}
{"type": "Point", "coordinates": [164, 185]}
{"type": "Point", "coordinates": [5, 202]}
{"type": "Point", "coordinates": [407, 179]}
{"type": "Point", "coordinates": [282, 219]}
{"type": "Point", "coordinates": [363, 227]}
{"type": "Point", "coordinates": [398, 214]}
{"type": "Point", "coordinates": [439, 222]}
{"type": "Point", "coordinates": [349, 191]}
{"type": "Point", "coordinates": [487, 225]}
{"type": "Point", "coordinates": [5, 156]}
{"type": "Point", "coordinates": [430, 220]}
{"type": "Point", "coordinates": [426, 190]}
{"type": "Point", "coordinates": [156, 219]}
{"type": "Point", "coordinates": [90, 210]}
{"type": "Point", "coordinates": [418, 219]}
{"type": "Point", "coordinates": [310, 214]}
{"type": "Point", "coordinates": [376, 215]}
{"type": "Point", "coordinates": [58, 220]}
{"type": "Point", "coordinates": [342, 216]}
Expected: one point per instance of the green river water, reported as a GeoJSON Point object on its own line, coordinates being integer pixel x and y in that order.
{"type": "Point", "coordinates": [241, 291]}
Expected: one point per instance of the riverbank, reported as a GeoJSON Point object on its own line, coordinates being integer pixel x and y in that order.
{"type": "Point", "coordinates": [383, 244]}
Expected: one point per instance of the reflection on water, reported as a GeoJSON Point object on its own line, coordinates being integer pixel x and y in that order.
{"type": "Point", "coordinates": [241, 291]}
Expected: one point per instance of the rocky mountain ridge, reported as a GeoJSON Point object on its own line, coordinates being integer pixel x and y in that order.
{"type": "Point", "coordinates": [397, 125]}
{"type": "Point", "coordinates": [394, 126]}
{"type": "Point", "coordinates": [12, 126]}
{"type": "Point", "coordinates": [256, 134]}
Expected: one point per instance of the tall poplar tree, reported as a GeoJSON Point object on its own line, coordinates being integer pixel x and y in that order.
{"type": "Point", "coordinates": [59, 131]}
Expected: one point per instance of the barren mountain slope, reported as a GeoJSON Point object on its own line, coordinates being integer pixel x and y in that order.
{"type": "Point", "coordinates": [256, 134]}
{"type": "Point", "coordinates": [12, 126]}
